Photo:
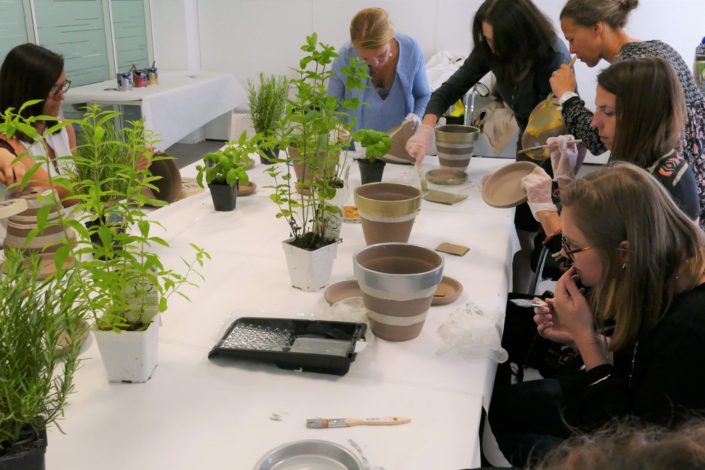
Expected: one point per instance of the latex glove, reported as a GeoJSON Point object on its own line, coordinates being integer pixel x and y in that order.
{"type": "Point", "coordinates": [564, 158]}
{"type": "Point", "coordinates": [562, 80]}
{"type": "Point", "coordinates": [414, 119]}
{"type": "Point", "coordinates": [537, 185]}
{"type": "Point", "coordinates": [418, 144]}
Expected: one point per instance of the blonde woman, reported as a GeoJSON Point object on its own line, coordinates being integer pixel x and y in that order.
{"type": "Point", "coordinates": [397, 85]}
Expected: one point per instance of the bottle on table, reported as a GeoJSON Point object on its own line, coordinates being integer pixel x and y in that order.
{"type": "Point", "coordinates": [699, 66]}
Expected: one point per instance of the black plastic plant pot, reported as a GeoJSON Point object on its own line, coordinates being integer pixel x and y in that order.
{"type": "Point", "coordinates": [269, 156]}
{"type": "Point", "coordinates": [224, 196]}
{"type": "Point", "coordinates": [30, 457]}
{"type": "Point", "coordinates": [371, 172]}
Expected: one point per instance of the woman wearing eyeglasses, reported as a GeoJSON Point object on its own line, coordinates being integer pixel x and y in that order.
{"type": "Point", "coordinates": [641, 261]}
{"type": "Point", "coordinates": [32, 72]}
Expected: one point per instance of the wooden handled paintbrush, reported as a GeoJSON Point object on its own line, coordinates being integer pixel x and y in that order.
{"type": "Point", "coordinates": [321, 423]}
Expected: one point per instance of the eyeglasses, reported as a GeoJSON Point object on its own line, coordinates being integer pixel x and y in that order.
{"type": "Point", "coordinates": [60, 87]}
{"type": "Point", "coordinates": [570, 251]}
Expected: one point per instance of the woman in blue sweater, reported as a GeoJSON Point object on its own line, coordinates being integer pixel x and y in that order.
{"type": "Point", "coordinates": [397, 85]}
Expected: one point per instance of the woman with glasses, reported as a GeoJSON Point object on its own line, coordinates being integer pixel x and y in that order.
{"type": "Point", "coordinates": [638, 266]}
{"type": "Point", "coordinates": [397, 88]}
{"type": "Point", "coordinates": [32, 72]}
{"type": "Point", "coordinates": [645, 132]}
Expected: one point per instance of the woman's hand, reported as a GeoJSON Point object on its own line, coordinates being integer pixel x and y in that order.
{"type": "Point", "coordinates": [562, 80]}
{"type": "Point", "coordinates": [572, 308]}
{"type": "Point", "coordinates": [548, 326]}
{"type": "Point", "coordinates": [10, 172]}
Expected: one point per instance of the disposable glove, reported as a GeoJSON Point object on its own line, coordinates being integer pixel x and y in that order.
{"type": "Point", "coordinates": [537, 185]}
{"type": "Point", "coordinates": [419, 143]}
{"type": "Point", "coordinates": [564, 158]}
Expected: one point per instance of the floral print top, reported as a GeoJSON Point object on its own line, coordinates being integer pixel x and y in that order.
{"type": "Point", "coordinates": [578, 117]}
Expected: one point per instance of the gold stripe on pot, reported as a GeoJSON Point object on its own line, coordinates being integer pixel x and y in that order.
{"type": "Point", "coordinates": [457, 134]}
{"type": "Point", "coordinates": [389, 200]}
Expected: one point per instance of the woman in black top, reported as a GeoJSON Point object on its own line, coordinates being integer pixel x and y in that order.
{"type": "Point", "coordinates": [514, 40]}
{"type": "Point", "coordinates": [642, 262]}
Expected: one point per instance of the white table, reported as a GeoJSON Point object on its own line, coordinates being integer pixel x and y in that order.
{"type": "Point", "coordinates": [181, 103]}
{"type": "Point", "coordinates": [196, 413]}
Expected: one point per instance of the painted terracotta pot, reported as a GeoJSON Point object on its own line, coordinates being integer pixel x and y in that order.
{"type": "Point", "coordinates": [455, 143]}
{"type": "Point", "coordinates": [398, 281]}
{"type": "Point", "coordinates": [387, 211]}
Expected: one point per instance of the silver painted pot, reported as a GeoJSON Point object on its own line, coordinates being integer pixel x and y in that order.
{"type": "Point", "coordinates": [455, 143]}
{"type": "Point", "coordinates": [398, 281]}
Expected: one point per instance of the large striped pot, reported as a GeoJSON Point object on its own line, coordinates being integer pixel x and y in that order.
{"type": "Point", "coordinates": [455, 143]}
{"type": "Point", "coordinates": [20, 225]}
{"type": "Point", "coordinates": [387, 211]}
{"type": "Point", "coordinates": [397, 282]}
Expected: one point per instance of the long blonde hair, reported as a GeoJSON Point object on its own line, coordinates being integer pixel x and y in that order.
{"type": "Point", "coordinates": [625, 203]}
{"type": "Point", "coordinates": [371, 29]}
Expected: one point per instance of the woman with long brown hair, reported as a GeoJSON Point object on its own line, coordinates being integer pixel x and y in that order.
{"type": "Point", "coordinates": [595, 30]}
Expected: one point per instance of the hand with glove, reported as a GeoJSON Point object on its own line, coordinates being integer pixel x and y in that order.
{"type": "Point", "coordinates": [537, 185]}
{"type": "Point", "coordinates": [564, 158]}
{"type": "Point", "coordinates": [418, 144]}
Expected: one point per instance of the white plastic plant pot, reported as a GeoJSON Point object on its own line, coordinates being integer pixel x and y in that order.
{"type": "Point", "coordinates": [309, 270]}
{"type": "Point", "coordinates": [129, 356]}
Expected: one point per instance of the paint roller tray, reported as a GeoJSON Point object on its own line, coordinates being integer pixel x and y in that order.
{"type": "Point", "coordinates": [321, 346]}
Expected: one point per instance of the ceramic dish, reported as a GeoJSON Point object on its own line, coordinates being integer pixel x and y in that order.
{"type": "Point", "coordinates": [310, 454]}
{"type": "Point", "coordinates": [246, 189]}
{"type": "Point", "coordinates": [447, 176]}
{"type": "Point", "coordinates": [342, 290]}
{"type": "Point", "coordinates": [447, 292]}
{"type": "Point", "coordinates": [398, 153]}
{"type": "Point", "coordinates": [503, 187]}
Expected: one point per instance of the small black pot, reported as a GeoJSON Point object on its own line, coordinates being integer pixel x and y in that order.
{"type": "Point", "coordinates": [224, 196]}
{"type": "Point", "coordinates": [30, 457]}
{"type": "Point", "coordinates": [371, 172]}
{"type": "Point", "coordinates": [269, 156]}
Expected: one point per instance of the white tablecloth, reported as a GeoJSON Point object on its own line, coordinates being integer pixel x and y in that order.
{"type": "Point", "coordinates": [196, 413]}
{"type": "Point", "coordinates": [180, 104]}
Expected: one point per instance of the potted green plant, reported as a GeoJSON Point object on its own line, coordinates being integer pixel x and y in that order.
{"type": "Point", "coordinates": [314, 134]}
{"type": "Point", "coordinates": [35, 316]}
{"type": "Point", "coordinates": [224, 170]}
{"type": "Point", "coordinates": [374, 145]}
{"type": "Point", "coordinates": [267, 101]}
{"type": "Point", "coordinates": [115, 250]}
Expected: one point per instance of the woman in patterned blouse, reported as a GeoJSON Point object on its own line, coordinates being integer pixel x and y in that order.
{"type": "Point", "coordinates": [594, 30]}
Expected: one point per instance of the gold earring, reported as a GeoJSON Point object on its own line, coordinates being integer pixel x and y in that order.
{"type": "Point", "coordinates": [624, 266]}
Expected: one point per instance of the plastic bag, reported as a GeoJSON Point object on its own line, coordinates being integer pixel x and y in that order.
{"type": "Point", "coordinates": [545, 121]}
{"type": "Point", "coordinates": [472, 333]}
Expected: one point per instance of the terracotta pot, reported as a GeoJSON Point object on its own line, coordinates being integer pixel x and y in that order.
{"type": "Point", "coordinates": [455, 143]}
{"type": "Point", "coordinates": [20, 225]}
{"type": "Point", "coordinates": [387, 211]}
{"type": "Point", "coordinates": [398, 281]}
{"type": "Point", "coordinates": [308, 170]}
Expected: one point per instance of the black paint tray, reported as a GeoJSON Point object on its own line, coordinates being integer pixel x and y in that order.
{"type": "Point", "coordinates": [310, 345]}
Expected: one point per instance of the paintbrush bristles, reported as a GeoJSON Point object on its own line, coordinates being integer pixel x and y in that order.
{"type": "Point", "coordinates": [321, 423]}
